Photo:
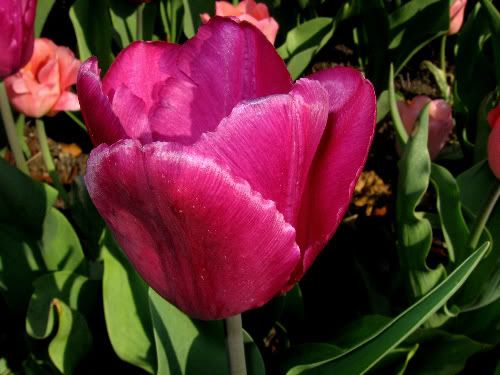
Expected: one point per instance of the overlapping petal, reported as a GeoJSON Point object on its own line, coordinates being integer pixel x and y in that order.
{"type": "Point", "coordinates": [195, 227]}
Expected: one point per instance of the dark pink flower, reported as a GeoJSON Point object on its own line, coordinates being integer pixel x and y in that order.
{"type": "Point", "coordinates": [222, 179]}
{"type": "Point", "coordinates": [248, 10]}
{"type": "Point", "coordinates": [457, 10]}
{"type": "Point", "coordinates": [440, 120]}
{"type": "Point", "coordinates": [16, 34]}
{"type": "Point", "coordinates": [494, 140]}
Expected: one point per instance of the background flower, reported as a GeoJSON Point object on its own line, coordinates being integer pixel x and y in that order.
{"type": "Point", "coordinates": [16, 34]}
{"type": "Point", "coordinates": [494, 140]}
{"type": "Point", "coordinates": [248, 10]}
{"type": "Point", "coordinates": [457, 11]}
{"type": "Point", "coordinates": [43, 85]}
{"type": "Point", "coordinates": [440, 120]}
{"type": "Point", "coordinates": [220, 178]}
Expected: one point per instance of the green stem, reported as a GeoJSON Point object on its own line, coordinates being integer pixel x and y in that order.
{"type": "Point", "coordinates": [140, 16]}
{"type": "Point", "coordinates": [235, 348]}
{"type": "Point", "coordinates": [77, 121]}
{"type": "Point", "coordinates": [10, 130]}
{"type": "Point", "coordinates": [401, 133]}
{"type": "Point", "coordinates": [47, 159]}
{"type": "Point", "coordinates": [443, 54]}
{"type": "Point", "coordinates": [483, 216]}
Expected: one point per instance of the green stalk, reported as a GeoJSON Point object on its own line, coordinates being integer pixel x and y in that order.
{"type": "Point", "coordinates": [483, 216]}
{"type": "Point", "coordinates": [140, 16]}
{"type": "Point", "coordinates": [77, 121]}
{"type": "Point", "coordinates": [10, 130]}
{"type": "Point", "coordinates": [47, 159]}
{"type": "Point", "coordinates": [234, 343]}
{"type": "Point", "coordinates": [442, 54]}
{"type": "Point", "coordinates": [401, 133]}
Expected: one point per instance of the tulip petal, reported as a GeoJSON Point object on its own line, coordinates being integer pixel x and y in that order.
{"type": "Point", "coordinates": [278, 169]}
{"type": "Point", "coordinates": [199, 236]}
{"type": "Point", "coordinates": [339, 160]}
{"type": "Point", "coordinates": [224, 64]}
{"type": "Point", "coordinates": [66, 102]}
{"type": "Point", "coordinates": [103, 125]}
{"type": "Point", "coordinates": [140, 67]}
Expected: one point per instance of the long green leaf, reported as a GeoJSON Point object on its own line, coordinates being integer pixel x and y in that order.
{"type": "Point", "coordinates": [367, 354]}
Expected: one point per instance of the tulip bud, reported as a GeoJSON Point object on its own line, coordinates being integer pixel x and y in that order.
{"type": "Point", "coordinates": [250, 11]}
{"type": "Point", "coordinates": [457, 10]}
{"type": "Point", "coordinates": [494, 141]}
{"type": "Point", "coordinates": [440, 120]}
{"type": "Point", "coordinates": [16, 34]}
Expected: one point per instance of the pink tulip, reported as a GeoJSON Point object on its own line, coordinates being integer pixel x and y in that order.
{"type": "Point", "coordinates": [43, 85]}
{"type": "Point", "coordinates": [222, 179]}
{"type": "Point", "coordinates": [250, 11]}
{"type": "Point", "coordinates": [457, 10]}
{"type": "Point", "coordinates": [16, 34]}
{"type": "Point", "coordinates": [494, 141]}
{"type": "Point", "coordinates": [440, 120]}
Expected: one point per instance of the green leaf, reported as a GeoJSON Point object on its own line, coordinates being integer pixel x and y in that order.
{"type": "Point", "coordinates": [124, 20]}
{"type": "Point", "coordinates": [304, 41]}
{"type": "Point", "coordinates": [185, 345]}
{"type": "Point", "coordinates": [192, 11]}
{"type": "Point", "coordinates": [77, 291]}
{"type": "Point", "coordinates": [126, 302]}
{"type": "Point", "coordinates": [473, 68]}
{"type": "Point", "coordinates": [494, 21]}
{"type": "Point", "coordinates": [483, 287]}
{"type": "Point", "coordinates": [453, 225]}
{"type": "Point", "coordinates": [93, 29]}
{"type": "Point", "coordinates": [43, 8]}
{"type": "Point", "coordinates": [368, 353]}
{"type": "Point", "coordinates": [171, 12]}
{"type": "Point", "coordinates": [439, 77]}
{"type": "Point", "coordinates": [414, 231]}
{"type": "Point", "coordinates": [383, 105]}
{"type": "Point", "coordinates": [414, 25]}
{"type": "Point", "coordinates": [72, 340]}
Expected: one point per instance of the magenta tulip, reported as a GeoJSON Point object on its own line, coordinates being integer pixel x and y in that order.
{"type": "Point", "coordinates": [16, 34]}
{"type": "Point", "coordinates": [440, 120]}
{"type": "Point", "coordinates": [222, 179]}
{"type": "Point", "coordinates": [494, 141]}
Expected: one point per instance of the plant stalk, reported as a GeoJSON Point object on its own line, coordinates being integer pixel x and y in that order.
{"type": "Point", "coordinates": [139, 22]}
{"type": "Point", "coordinates": [483, 216]}
{"type": "Point", "coordinates": [442, 54]}
{"type": "Point", "coordinates": [47, 159]}
{"type": "Point", "coordinates": [234, 344]}
{"type": "Point", "coordinates": [10, 130]}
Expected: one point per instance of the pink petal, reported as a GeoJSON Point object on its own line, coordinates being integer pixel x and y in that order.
{"type": "Point", "coordinates": [140, 67]}
{"type": "Point", "coordinates": [66, 102]}
{"type": "Point", "coordinates": [202, 238]}
{"type": "Point", "coordinates": [339, 160]}
{"type": "Point", "coordinates": [221, 66]}
{"type": "Point", "coordinates": [103, 125]}
{"type": "Point", "coordinates": [268, 26]}
{"type": "Point", "coordinates": [271, 143]}
{"type": "Point", "coordinates": [68, 67]}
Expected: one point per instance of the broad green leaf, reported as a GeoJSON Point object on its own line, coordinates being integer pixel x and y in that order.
{"type": "Point", "coordinates": [414, 231]}
{"type": "Point", "coordinates": [368, 353]}
{"type": "Point", "coordinates": [414, 25]}
{"type": "Point", "coordinates": [192, 11]}
{"type": "Point", "coordinates": [43, 8]}
{"type": "Point", "coordinates": [383, 105]}
{"type": "Point", "coordinates": [93, 29]}
{"type": "Point", "coordinates": [72, 340]}
{"type": "Point", "coordinates": [255, 363]}
{"type": "Point", "coordinates": [483, 287]}
{"type": "Point", "coordinates": [453, 225]}
{"type": "Point", "coordinates": [124, 20]}
{"type": "Point", "coordinates": [439, 77]}
{"type": "Point", "coordinates": [474, 71]}
{"type": "Point", "coordinates": [125, 298]}
{"type": "Point", "coordinates": [304, 41]}
{"type": "Point", "coordinates": [77, 291]}
{"type": "Point", "coordinates": [307, 354]}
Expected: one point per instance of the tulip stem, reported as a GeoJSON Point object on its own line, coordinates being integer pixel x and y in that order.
{"type": "Point", "coordinates": [139, 24]}
{"type": "Point", "coordinates": [401, 133]}
{"type": "Point", "coordinates": [483, 216]}
{"type": "Point", "coordinates": [77, 121]}
{"type": "Point", "coordinates": [234, 343]}
{"type": "Point", "coordinates": [47, 159]}
{"type": "Point", "coordinates": [10, 130]}
{"type": "Point", "coordinates": [443, 54]}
